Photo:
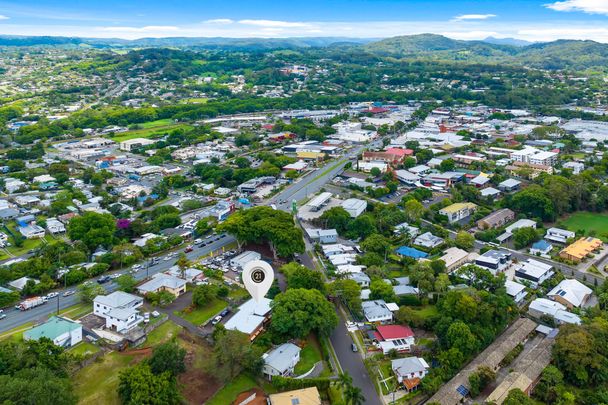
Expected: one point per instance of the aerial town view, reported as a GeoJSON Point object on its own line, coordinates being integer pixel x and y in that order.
{"type": "Point", "coordinates": [346, 202]}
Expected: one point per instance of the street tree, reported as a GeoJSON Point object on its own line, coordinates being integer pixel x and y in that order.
{"type": "Point", "coordinates": [93, 229]}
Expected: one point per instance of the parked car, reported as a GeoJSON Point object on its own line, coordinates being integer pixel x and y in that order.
{"type": "Point", "coordinates": [224, 312]}
{"type": "Point", "coordinates": [155, 314]}
{"type": "Point", "coordinates": [115, 276]}
{"type": "Point", "coordinates": [354, 348]}
{"type": "Point", "coordinates": [197, 241]}
{"type": "Point", "coordinates": [103, 279]}
{"type": "Point", "coordinates": [216, 320]}
{"type": "Point", "coordinates": [68, 293]}
{"type": "Point", "coordinates": [52, 295]}
{"type": "Point", "coordinates": [2, 316]}
{"type": "Point", "coordinates": [188, 249]}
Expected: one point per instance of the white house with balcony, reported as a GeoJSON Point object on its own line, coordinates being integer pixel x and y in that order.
{"type": "Point", "coordinates": [119, 309]}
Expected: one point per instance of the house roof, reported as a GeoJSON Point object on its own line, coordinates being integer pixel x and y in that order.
{"type": "Point", "coordinates": [409, 365]}
{"type": "Point", "coordinates": [542, 245]}
{"type": "Point", "coordinates": [388, 332]}
{"type": "Point", "coordinates": [514, 288]}
{"type": "Point", "coordinates": [117, 299]}
{"type": "Point", "coordinates": [250, 316]}
{"type": "Point", "coordinates": [411, 252]}
{"type": "Point", "coordinates": [280, 358]}
{"type": "Point", "coordinates": [304, 396]}
{"type": "Point", "coordinates": [456, 207]}
{"type": "Point", "coordinates": [572, 291]}
{"type": "Point", "coordinates": [160, 280]}
{"type": "Point", "coordinates": [376, 310]}
{"type": "Point", "coordinates": [52, 329]}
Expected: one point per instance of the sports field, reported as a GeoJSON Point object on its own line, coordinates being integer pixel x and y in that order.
{"type": "Point", "coordinates": [591, 223]}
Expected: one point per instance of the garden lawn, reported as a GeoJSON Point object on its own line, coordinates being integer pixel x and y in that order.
{"type": "Point", "coordinates": [309, 356]}
{"type": "Point", "coordinates": [163, 333]}
{"type": "Point", "coordinates": [230, 391]}
{"type": "Point", "coordinates": [426, 312]}
{"type": "Point", "coordinates": [97, 384]}
{"type": "Point", "coordinates": [149, 132]}
{"type": "Point", "coordinates": [199, 316]}
{"type": "Point", "coordinates": [589, 222]}
{"type": "Point", "coordinates": [76, 311]}
{"type": "Point", "coordinates": [16, 334]}
{"type": "Point", "coordinates": [84, 349]}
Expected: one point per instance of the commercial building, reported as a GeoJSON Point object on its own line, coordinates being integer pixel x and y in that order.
{"type": "Point", "coordinates": [354, 206]}
{"type": "Point", "coordinates": [244, 258]}
{"type": "Point", "coordinates": [135, 143]}
{"type": "Point", "coordinates": [579, 250]}
{"type": "Point", "coordinates": [62, 331]}
{"type": "Point", "coordinates": [319, 201]}
{"type": "Point", "coordinates": [458, 211]}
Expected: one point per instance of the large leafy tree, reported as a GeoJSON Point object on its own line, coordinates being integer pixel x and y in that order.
{"type": "Point", "coordinates": [233, 353]}
{"type": "Point", "coordinates": [264, 224]}
{"type": "Point", "coordinates": [297, 312]}
{"type": "Point", "coordinates": [299, 276]}
{"type": "Point", "coordinates": [93, 229]}
{"type": "Point", "coordinates": [535, 202]}
{"type": "Point", "coordinates": [139, 385]}
{"type": "Point", "coordinates": [337, 218]}
{"type": "Point", "coordinates": [168, 357]}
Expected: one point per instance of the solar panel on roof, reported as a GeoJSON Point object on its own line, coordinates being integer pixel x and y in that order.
{"type": "Point", "coordinates": [561, 293]}
{"type": "Point", "coordinates": [462, 390]}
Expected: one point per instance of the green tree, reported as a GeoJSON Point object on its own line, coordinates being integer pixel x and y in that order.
{"type": "Point", "coordinates": [88, 291]}
{"type": "Point", "coordinates": [523, 237]}
{"type": "Point", "coordinates": [297, 312]}
{"type": "Point", "coordinates": [337, 218]}
{"type": "Point", "coordinates": [93, 229]}
{"type": "Point", "coordinates": [480, 379]}
{"type": "Point", "coordinates": [460, 337]}
{"type": "Point", "coordinates": [299, 276]}
{"type": "Point", "coordinates": [139, 385]}
{"type": "Point", "coordinates": [202, 295]}
{"type": "Point", "coordinates": [464, 240]}
{"type": "Point", "coordinates": [413, 210]}
{"type": "Point", "coordinates": [376, 243]}
{"type": "Point", "coordinates": [126, 283]}
{"type": "Point", "coordinates": [349, 291]}
{"type": "Point", "coordinates": [233, 353]}
{"type": "Point", "coordinates": [202, 227]}
{"type": "Point", "coordinates": [517, 397]}
{"type": "Point", "coordinates": [534, 201]}
{"type": "Point", "coordinates": [381, 290]}
{"type": "Point", "coordinates": [168, 357]}
{"type": "Point", "coordinates": [36, 386]}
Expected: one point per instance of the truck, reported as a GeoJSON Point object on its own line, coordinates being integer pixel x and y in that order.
{"type": "Point", "coordinates": [31, 303]}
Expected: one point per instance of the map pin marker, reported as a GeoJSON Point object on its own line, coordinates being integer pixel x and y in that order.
{"type": "Point", "coordinates": [257, 277]}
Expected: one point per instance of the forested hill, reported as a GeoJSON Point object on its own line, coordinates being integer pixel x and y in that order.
{"type": "Point", "coordinates": [562, 54]}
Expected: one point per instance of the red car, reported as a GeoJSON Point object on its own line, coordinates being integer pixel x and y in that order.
{"type": "Point", "coordinates": [188, 249]}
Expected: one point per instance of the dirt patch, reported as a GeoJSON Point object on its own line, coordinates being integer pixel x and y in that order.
{"type": "Point", "coordinates": [260, 397]}
{"type": "Point", "coordinates": [146, 351]}
{"type": "Point", "coordinates": [197, 386]}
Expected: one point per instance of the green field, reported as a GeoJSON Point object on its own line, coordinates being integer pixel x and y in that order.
{"type": "Point", "coordinates": [230, 391]}
{"type": "Point", "coordinates": [84, 349]}
{"type": "Point", "coordinates": [98, 383]}
{"type": "Point", "coordinates": [163, 333]}
{"type": "Point", "coordinates": [593, 224]}
{"type": "Point", "coordinates": [76, 311]}
{"type": "Point", "coordinates": [150, 129]}
{"type": "Point", "coordinates": [200, 315]}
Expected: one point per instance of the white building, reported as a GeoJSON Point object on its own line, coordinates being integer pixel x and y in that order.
{"type": "Point", "coordinates": [354, 206]}
{"type": "Point", "coordinates": [516, 291]}
{"type": "Point", "coordinates": [62, 331]}
{"type": "Point", "coordinates": [409, 368]}
{"type": "Point", "coordinates": [543, 307]}
{"type": "Point", "coordinates": [135, 143]}
{"type": "Point", "coordinates": [119, 309]}
{"type": "Point", "coordinates": [281, 360]}
{"type": "Point", "coordinates": [377, 311]}
{"type": "Point", "coordinates": [559, 235]}
{"type": "Point", "coordinates": [250, 318]}
{"type": "Point", "coordinates": [247, 256]}
{"type": "Point", "coordinates": [571, 293]}
{"type": "Point", "coordinates": [534, 272]}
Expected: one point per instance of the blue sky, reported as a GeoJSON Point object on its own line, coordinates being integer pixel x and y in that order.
{"type": "Point", "coordinates": [534, 20]}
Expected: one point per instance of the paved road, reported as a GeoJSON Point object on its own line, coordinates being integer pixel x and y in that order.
{"type": "Point", "coordinates": [351, 362]}
{"type": "Point", "coordinates": [15, 317]}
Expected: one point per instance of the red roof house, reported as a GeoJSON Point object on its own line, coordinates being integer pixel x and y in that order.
{"type": "Point", "coordinates": [397, 337]}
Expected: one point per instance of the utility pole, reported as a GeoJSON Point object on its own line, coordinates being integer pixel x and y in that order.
{"type": "Point", "coordinates": [58, 304]}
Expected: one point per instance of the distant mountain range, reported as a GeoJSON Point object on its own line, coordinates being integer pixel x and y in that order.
{"type": "Point", "coordinates": [561, 54]}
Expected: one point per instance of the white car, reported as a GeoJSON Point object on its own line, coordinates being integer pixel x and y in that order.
{"type": "Point", "coordinates": [52, 295]}
{"type": "Point", "coordinates": [167, 258]}
{"type": "Point", "coordinates": [197, 241]}
{"type": "Point", "coordinates": [114, 276]}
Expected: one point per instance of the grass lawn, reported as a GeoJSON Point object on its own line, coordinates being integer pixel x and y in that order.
{"type": "Point", "coordinates": [163, 333]}
{"type": "Point", "coordinates": [16, 333]}
{"type": "Point", "coordinates": [426, 312]}
{"type": "Point", "coordinates": [157, 123]}
{"type": "Point", "coordinates": [309, 355]}
{"type": "Point", "coordinates": [77, 311]}
{"type": "Point", "coordinates": [229, 392]}
{"type": "Point", "coordinates": [84, 348]}
{"type": "Point", "coordinates": [199, 315]}
{"type": "Point", "coordinates": [98, 382]}
{"type": "Point", "coordinates": [589, 222]}
{"type": "Point", "coordinates": [148, 132]}
{"type": "Point", "coordinates": [238, 293]}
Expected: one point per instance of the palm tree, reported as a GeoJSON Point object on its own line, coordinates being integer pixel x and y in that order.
{"type": "Point", "coordinates": [345, 381]}
{"type": "Point", "coordinates": [354, 396]}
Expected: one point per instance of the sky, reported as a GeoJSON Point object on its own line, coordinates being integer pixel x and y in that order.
{"type": "Point", "coordinates": [532, 20]}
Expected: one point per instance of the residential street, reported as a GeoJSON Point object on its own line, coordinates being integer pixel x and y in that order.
{"type": "Point", "coordinates": [351, 362]}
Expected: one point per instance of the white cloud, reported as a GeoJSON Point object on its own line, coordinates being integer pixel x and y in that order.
{"type": "Point", "coordinates": [3, 17]}
{"type": "Point", "coordinates": [274, 23]}
{"type": "Point", "coordinates": [587, 6]}
{"type": "Point", "coordinates": [466, 17]}
{"type": "Point", "coordinates": [149, 28]}
{"type": "Point", "coordinates": [220, 21]}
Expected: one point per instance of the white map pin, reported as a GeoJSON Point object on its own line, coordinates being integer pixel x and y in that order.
{"type": "Point", "coordinates": [258, 277]}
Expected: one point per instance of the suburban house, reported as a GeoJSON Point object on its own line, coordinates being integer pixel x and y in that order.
{"type": "Point", "coordinates": [250, 317]}
{"type": "Point", "coordinates": [32, 231]}
{"type": "Point", "coordinates": [509, 185]}
{"type": "Point", "coordinates": [281, 360]}
{"type": "Point", "coordinates": [322, 236]}
{"type": "Point", "coordinates": [20, 283]}
{"type": "Point", "coordinates": [458, 211]}
{"type": "Point", "coordinates": [571, 293]}
{"type": "Point", "coordinates": [428, 240]}
{"type": "Point", "coordinates": [360, 278]}
{"type": "Point", "coordinates": [494, 260]}
{"type": "Point", "coordinates": [119, 309]}
{"type": "Point", "coordinates": [414, 253]}
{"type": "Point", "coordinates": [62, 331]}
{"type": "Point", "coordinates": [534, 272]}
{"type": "Point", "coordinates": [541, 248]}
{"type": "Point", "coordinates": [191, 275]}
{"type": "Point", "coordinates": [542, 307]}
{"type": "Point", "coordinates": [304, 396]}
{"type": "Point", "coordinates": [579, 250]}
{"type": "Point", "coordinates": [454, 257]}
{"type": "Point", "coordinates": [559, 235]}
{"type": "Point", "coordinates": [54, 226]}
{"type": "Point", "coordinates": [410, 371]}
{"type": "Point", "coordinates": [516, 291]}
{"type": "Point", "coordinates": [393, 337]}
{"type": "Point", "coordinates": [496, 219]}
{"type": "Point", "coordinates": [163, 282]}
{"type": "Point", "coordinates": [521, 223]}
{"type": "Point", "coordinates": [377, 311]}
{"type": "Point", "coordinates": [392, 159]}
{"type": "Point", "coordinates": [406, 228]}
